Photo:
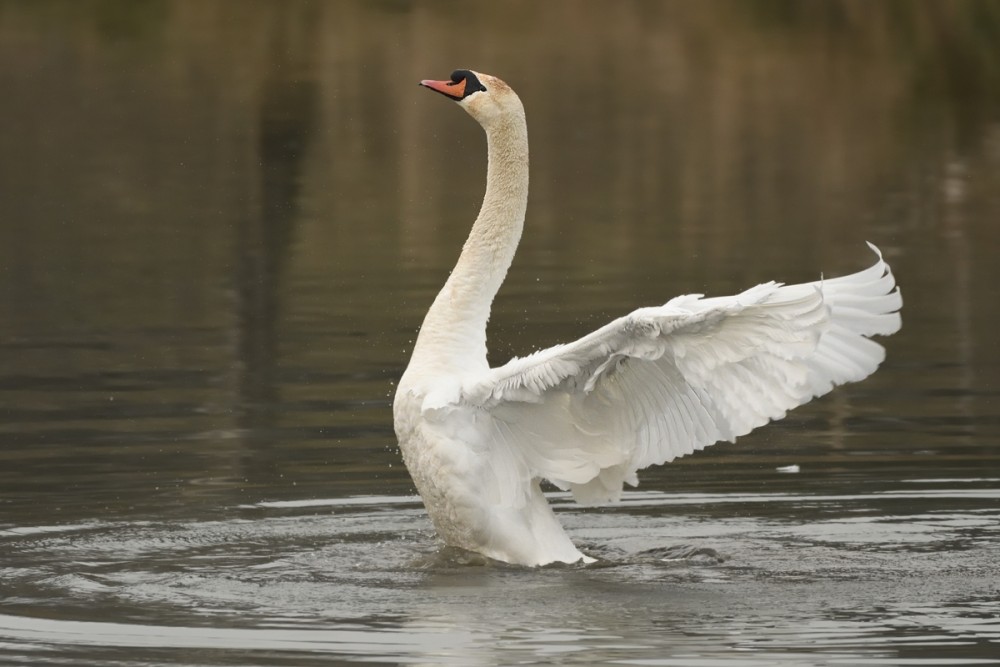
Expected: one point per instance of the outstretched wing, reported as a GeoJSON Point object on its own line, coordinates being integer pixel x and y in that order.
{"type": "Point", "coordinates": [663, 382]}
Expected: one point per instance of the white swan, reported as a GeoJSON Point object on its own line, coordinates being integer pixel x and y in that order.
{"type": "Point", "coordinates": [647, 388]}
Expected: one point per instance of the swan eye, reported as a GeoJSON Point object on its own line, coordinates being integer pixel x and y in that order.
{"type": "Point", "coordinates": [472, 82]}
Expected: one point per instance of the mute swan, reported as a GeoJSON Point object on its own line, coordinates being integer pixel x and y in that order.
{"type": "Point", "coordinates": [647, 388]}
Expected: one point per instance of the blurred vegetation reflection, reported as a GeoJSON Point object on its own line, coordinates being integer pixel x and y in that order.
{"type": "Point", "coordinates": [221, 222]}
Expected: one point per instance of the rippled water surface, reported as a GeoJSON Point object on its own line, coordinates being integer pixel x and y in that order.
{"type": "Point", "coordinates": [221, 224]}
{"type": "Point", "coordinates": [684, 578]}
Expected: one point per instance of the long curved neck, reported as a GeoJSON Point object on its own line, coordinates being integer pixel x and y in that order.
{"type": "Point", "coordinates": [453, 334]}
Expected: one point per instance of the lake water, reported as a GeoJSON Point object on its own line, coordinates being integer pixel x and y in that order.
{"type": "Point", "coordinates": [221, 224]}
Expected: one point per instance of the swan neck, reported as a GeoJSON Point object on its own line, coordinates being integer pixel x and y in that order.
{"type": "Point", "coordinates": [454, 330]}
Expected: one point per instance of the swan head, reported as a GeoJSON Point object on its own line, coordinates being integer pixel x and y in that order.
{"type": "Point", "coordinates": [486, 98]}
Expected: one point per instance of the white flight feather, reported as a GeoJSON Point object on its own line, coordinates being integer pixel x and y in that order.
{"type": "Point", "coordinates": [663, 382]}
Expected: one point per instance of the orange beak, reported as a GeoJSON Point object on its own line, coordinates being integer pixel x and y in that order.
{"type": "Point", "coordinates": [455, 91]}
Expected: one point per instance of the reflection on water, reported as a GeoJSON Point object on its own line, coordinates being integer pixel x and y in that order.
{"type": "Point", "coordinates": [864, 579]}
{"type": "Point", "coordinates": [219, 231]}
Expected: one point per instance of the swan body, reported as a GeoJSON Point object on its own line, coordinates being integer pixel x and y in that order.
{"type": "Point", "coordinates": [651, 386]}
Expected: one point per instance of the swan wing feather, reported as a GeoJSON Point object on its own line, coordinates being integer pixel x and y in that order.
{"type": "Point", "coordinates": [662, 382]}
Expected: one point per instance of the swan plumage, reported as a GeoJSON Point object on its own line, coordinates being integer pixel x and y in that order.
{"type": "Point", "coordinates": [654, 385]}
